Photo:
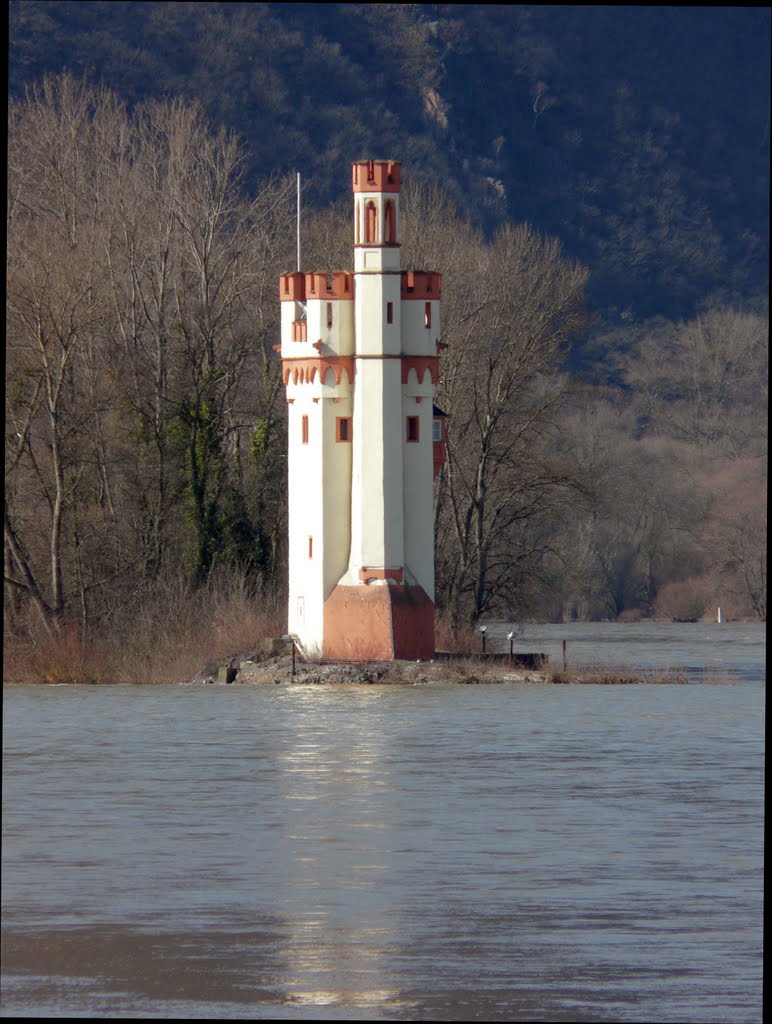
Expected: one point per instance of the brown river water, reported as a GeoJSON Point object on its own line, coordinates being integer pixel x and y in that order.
{"type": "Point", "coordinates": [512, 852]}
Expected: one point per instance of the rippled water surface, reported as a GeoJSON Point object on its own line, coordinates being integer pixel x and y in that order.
{"type": "Point", "coordinates": [502, 852]}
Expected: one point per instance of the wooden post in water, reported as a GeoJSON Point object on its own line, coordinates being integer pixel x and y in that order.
{"type": "Point", "coordinates": [564, 655]}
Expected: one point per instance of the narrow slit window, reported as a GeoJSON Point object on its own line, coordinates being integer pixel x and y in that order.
{"type": "Point", "coordinates": [412, 430]}
{"type": "Point", "coordinates": [389, 312]}
{"type": "Point", "coordinates": [343, 428]}
{"type": "Point", "coordinates": [304, 429]}
{"type": "Point", "coordinates": [371, 222]}
{"type": "Point", "coordinates": [310, 547]}
{"type": "Point", "coordinates": [389, 223]}
{"type": "Point", "coordinates": [329, 314]}
{"type": "Point", "coordinates": [428, 315]}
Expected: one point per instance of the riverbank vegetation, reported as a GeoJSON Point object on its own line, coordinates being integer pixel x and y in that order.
{"type": "Point", "coordinates": [145, 498]}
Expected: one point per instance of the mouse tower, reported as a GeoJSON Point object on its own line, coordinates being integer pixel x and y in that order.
{"type": "Point", "coordinates": [360, 363]}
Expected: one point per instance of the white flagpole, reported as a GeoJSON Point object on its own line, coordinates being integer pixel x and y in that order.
{"type": "Point", "coordinates": [298, 228]}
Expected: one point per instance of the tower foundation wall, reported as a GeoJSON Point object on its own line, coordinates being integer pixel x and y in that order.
{"type": "Point", "coordinates": [378, 622]}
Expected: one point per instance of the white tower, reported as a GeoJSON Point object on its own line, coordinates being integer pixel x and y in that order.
{"type": "Point", "coordinates": [359, 357]}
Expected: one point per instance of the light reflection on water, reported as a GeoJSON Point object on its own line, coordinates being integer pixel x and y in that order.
{"type": "Point", "coordinates": [515, 852]}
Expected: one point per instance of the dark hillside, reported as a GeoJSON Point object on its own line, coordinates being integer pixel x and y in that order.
{"type": "Point", "coordinates": [638, 135]}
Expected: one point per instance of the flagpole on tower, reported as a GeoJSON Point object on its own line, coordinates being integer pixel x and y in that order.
{"type": "Point", "coordinates": [298, 227]}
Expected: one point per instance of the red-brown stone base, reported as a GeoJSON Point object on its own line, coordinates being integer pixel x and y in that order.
{"type": "Point", "coordinates": [378, 623]}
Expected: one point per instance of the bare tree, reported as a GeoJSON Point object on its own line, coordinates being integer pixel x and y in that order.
{"type": "Point", "coordinates": [54, 310]}
{"type": "Point", "coordinates": [705, 381]}
{"type": "Point", "coordinates": [144, 420]}
{"type": "Point", "coordinates": [509, 310]}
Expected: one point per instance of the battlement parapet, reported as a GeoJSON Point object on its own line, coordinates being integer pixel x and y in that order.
{"type": "Point", "coordinates": [300, 287]}
{"type": "Point", "coordinates": [338, 285]}
{"type": "Point", "coordinates": [292, 287]}
{"type": "Point", "coordinates": [421, 284]}
{"type": "Point", "coordinates": [376, 176]}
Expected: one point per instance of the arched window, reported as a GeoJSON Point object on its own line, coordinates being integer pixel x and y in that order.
{"type": "Point", "coordinates": [371, 223]}
{"type": "Point", "coordinates": [389, 223]}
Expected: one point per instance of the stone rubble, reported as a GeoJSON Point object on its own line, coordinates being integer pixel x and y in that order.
{"type": "Point", "coordinates": [277, 669]}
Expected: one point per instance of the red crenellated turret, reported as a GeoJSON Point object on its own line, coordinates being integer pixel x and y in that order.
{"type": "Point", "coordinates": [338, 285]}
{"type": "Point", "coordinates": [421, 284]}
{"type": "Point", "coordinates": [292, 287]}
{"type": "Point", "coordinates": [376, 176]}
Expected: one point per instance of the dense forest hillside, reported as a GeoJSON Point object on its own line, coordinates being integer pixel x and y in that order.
{"type": "Point", "coordinates": [591, 182]}
{"type": "Point", "coordinates": [637, 135]}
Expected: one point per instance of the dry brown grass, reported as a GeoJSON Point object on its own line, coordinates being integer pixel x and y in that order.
{"type": "Point", "coordinates": [613, 675]}
{"type": "Point", "coordinates": [199, 627]}
{"type": "Point", "coordinates": [32, 654]}
{"type": "Point", "coordinates": [459, 639]}
{"type": "Point", "coordinates": [169, 638]}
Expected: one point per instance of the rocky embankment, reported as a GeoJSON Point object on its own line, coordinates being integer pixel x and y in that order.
{"type": "Point", "coordinates": [274, 665]}
{"type": "Point", "coordinates": [277, 668]}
